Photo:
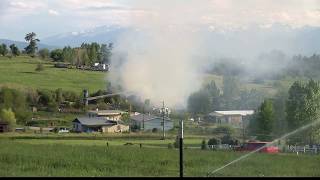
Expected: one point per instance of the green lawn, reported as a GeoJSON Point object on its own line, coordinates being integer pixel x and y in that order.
{"type": "Point", "coordinates": [20, 73]}
{"type": "Point", "coordinates": [94, 158]}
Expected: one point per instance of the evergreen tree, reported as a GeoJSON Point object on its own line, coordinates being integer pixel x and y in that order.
{"type": "Point", "coordinates": [265, 120]}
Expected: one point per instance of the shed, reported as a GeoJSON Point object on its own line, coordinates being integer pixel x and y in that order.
{"type": "Point", "coordinates": [4, 127]}
{"type": "Point", "coordinates": [235, 118]}
{"type": "Point", "coordinates": [149, 122]}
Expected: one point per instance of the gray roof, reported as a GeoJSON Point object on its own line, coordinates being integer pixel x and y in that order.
{"type": "Point", "coordinates": [108, 112]}
{"type": "Point", "coordinates": [230, 113]}
{"type": "Point", "coordinates": [94, 121]}
{"type": "Point", "coordinates": [146, 117]}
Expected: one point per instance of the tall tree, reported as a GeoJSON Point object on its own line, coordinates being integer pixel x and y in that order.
{"type": "Point", "coordinates": [32, 47]}
{"type": "Point", "coordinates": [231, 90]}
{"type": "Point", "coordinates": [199, 103]}
{"type": "Point", "coordinates": [214, 93]}
{"type": "Point", "coordinates": [265, 120]}
{"type": "Point", "coordinates": [303, 107]}
{"type": "Point", "coordinates": [106, 53]}
{"type": "Point", "coordinates": [69, 55]}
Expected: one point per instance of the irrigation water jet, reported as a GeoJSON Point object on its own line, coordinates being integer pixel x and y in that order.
{"type": "Point", "coordinates": [268, 144]}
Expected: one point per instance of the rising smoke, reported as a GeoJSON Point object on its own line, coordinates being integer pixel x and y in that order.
{"type": "Point", "coordinates": [160, 64]}
{"type": "Point", "coordinates": [165, 57]}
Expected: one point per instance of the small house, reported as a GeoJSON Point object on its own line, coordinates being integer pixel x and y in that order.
{"type": "Point", "coordinates": [114, 115]}
{"type": "Point", "coordinates": [233, 118]}
{"type": "Point", "coordinates": [149, 122]}
{"type": "Point", "coordinates": [4, 127]}
{"type": "Point", "coordinates": [98, 124]}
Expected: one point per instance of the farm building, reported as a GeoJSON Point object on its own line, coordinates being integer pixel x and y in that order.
{"type": "Point", "coordinates": [233, 118]}
{"type": "Point", "coordinates": [98, 124]}
{"type": "Point", "coordinates": [4, 127]}
{"type": "Point", "coordinates": [114, 115]}
{"type": "Point", "coordinates": [150, 122]}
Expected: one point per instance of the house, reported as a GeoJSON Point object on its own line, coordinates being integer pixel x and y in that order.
{"type": "Point", "coordinates": [150, 122]}
{"type": "Point", "coordinates": [98, 124]}
{"type": "Point", "coordinates": [4, 127]}
{"type": "Point", "coordinates": [233, 118]}
{"type": "Point", "coordinates": [114, 115]}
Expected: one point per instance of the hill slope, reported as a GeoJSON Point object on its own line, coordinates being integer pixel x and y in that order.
{"type": "Point", "coordinates": [20, 73]}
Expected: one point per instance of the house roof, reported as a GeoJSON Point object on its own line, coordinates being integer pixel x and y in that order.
{"type": "Point", "coordinates": [238, 112]}
{"type": "Point", "coordinates": [146, 117]}
{"type": "Point", "coordinates": [94, 121]}
{"type": "Point", "coordinates": [107, 112]}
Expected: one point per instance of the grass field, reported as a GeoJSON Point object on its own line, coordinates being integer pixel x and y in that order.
{"type": "Point", "coordinates": [93, 158]}
{"type": "Point", "coordinates": [19, 72]}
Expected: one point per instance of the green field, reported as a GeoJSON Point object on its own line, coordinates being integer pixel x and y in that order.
{"type": "Point", "coordinates": [19, 72]}
{"type": "Point", "coordinates": [57, 158]}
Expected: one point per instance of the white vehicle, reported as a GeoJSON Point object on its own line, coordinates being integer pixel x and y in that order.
{"type": "Point", "coordinates": [63, 130]}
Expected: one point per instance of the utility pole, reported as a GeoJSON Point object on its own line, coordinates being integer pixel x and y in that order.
{"type": "Point", "coordinates": [163, 120]}
{"type": "Point", "coordinates": [143, 119]}
{"type": "Point", "coordinates": [243, 129]}
{"type": "Point", "coordinates": [85, 97]}
{"type": "Point", "coordinates": [181, 148]}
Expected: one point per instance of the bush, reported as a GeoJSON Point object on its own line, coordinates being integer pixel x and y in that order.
{"type": "Point", "coordinates": [229, 140]}
{"type": "Point", "coordinates": [40, 67]}
{"type": "Point", "coordinates": [154, 130]}
{"type": "Point", "coordinates": [204, 145]}
{"type": "Point", "coordinates": [224, 129]}
{"type": "Point", "coordinates": [170, 146]}
{"type": "Point", "coordinates": [214, 141]}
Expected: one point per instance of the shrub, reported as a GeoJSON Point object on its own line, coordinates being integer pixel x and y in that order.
{"type": "Point", "coordinates": [40, 67]}
{"type": "Point", "coordinates": [154, 130]}
{"type": "Point", "coordinates": [204, 145]}
{"type": "Point", "coordinates": [170, 146]}
{"type": "Point", "coordinates": [214, 141]}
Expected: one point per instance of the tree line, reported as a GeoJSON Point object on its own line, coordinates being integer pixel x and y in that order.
{"type": "Point", "coordinates": [230, 97]}
{"type": "Point", "coordinates": [85, 55]}
{"type": "Point", "coordinates": [283, 114]}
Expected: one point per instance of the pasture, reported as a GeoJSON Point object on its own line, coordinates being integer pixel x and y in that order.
{"type": "Point", "coordinates": [88, 158]}
{"type": "Point", "coordinates": [19, 73]}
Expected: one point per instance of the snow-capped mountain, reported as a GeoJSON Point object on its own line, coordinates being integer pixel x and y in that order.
{"type": "Point", "coordinates": [103, 34]}
{"type": "Point", "coordinates": [250, 40]}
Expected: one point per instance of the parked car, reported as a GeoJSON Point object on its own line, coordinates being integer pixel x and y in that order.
{"type": "Point", "coordinates": [62, 130]}
{"type": "Point", "coordinates": [252, 146]}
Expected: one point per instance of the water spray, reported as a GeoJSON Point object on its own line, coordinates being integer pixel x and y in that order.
{"type": "Point", "coordinates": [268, 144]}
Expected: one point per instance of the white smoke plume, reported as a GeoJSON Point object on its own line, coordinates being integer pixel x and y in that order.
{"type": "Point", "coordinates": [159, 65]}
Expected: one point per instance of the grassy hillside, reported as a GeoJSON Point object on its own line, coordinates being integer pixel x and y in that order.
{"type": "Point", "coordinates": [19, 158]}
{"type": "Point", "coordinates": [20, 73]}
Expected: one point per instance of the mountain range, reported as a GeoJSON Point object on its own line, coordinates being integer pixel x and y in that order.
{"type": "Point", "coordinates": [244, 42]}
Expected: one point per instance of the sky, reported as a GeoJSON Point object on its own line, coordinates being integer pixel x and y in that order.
{"type": "Point", "coordinates": [51, 17]}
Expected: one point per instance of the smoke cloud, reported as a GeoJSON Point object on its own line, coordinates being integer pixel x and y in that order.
{"type": "Point", "coordinates": [159, 64]}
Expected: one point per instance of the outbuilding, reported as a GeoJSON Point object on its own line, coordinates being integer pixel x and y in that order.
{"type": "Point", "coordinates": [4, 127]}
{"type": "Point", "coordinates": [150, 122]}
{"type": "Point", "coordinates": [98, 124]}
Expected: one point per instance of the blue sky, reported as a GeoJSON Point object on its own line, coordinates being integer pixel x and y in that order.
{"type": "Point", "coordinates": [50, 17]}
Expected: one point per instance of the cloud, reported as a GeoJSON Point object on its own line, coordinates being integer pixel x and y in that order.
{"type": "Point", "coordinates": [53, 12]}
